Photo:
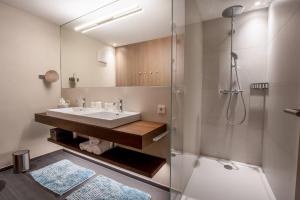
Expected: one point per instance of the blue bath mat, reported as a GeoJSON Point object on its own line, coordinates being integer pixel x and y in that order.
{"type": "Point", "coordinates": [62, 176]}
{"type": "Point", "coordinates": [103, 188]}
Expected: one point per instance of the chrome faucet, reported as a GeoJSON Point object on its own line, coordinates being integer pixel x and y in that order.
{"type": "Point", "coordinates": [83, 101]}
{"type": "Point", "coordinates": [121, 105]}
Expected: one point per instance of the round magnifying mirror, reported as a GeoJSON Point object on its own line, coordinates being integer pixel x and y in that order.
{"type": "Point", "coordinates": [51, 76]}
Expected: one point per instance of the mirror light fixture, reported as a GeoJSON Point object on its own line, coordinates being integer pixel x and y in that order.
{"type": "Point", "coordinates": [106, 4]}
{"type": "Point", "coordinates": [257, 3]}
{"type": "Point", "coordinates": [84, 28]}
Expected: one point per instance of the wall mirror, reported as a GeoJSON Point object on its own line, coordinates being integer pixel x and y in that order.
{"type": "Point", "coordinates": [121, 43]}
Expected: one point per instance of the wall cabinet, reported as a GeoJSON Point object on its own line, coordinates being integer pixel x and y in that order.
{"type": "Point", "coordinates": [144, 64]}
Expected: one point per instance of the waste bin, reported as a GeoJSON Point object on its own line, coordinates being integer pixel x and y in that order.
{"type": "Point", "coordinates": [21, 161]}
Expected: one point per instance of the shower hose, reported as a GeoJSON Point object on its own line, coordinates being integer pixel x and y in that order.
{"type": "Point", "coordinates": [228, 113]}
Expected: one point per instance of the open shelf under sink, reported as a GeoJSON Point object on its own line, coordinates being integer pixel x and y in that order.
{"type": "Point", "coordinates": [137, 162]}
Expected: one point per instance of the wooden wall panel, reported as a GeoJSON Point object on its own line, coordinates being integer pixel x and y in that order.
{"type": "Point", "coordinates": [144, 64]}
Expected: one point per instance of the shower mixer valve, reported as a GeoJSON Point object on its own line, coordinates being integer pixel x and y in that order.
{"type": "Point", "coordinates": [236, 92]}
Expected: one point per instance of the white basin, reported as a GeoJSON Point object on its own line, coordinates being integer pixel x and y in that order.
{"type": "Point", "coordinates": [95, 117]}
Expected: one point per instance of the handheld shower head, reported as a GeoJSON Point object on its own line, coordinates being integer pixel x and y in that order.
{"type": "Point", "coordinates": [234, 60]}
{"type": "Point", "coordinates": [234, 56]}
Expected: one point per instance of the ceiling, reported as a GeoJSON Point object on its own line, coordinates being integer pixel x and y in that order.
{"type": "Point", "coordinates": [153, 22]}
{"type": "Point", "coordinates": [56, 11]}
{"type": "Point", "coordinates": [211, 9]}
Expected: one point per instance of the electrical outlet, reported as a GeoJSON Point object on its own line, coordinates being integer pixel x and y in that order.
{"type": "Point", "coordinates": [161, 109]}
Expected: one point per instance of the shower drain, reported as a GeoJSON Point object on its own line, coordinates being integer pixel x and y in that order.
{"type": "Point", "coordinates": [227, 164]}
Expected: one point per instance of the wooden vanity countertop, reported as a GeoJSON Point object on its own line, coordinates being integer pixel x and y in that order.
{"type": "Point", "coordinates": [137, 134]}
{"type": "Point", "coordinates": [139, 127]}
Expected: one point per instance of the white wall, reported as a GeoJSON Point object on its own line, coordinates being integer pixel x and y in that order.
{"type": "Point", "coordinates": [219, 139]}
{"type": "Point", "coordinates": [79, 54]}
{"type": "Point", "coordinates": [281, 139]}
{"type": "Point", "coordinates": [29, 47]}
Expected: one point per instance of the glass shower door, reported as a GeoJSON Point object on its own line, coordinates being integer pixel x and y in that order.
{"type": "Point", "coordinates": [186, 99]}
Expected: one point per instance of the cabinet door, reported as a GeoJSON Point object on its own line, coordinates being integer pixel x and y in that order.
{"type": "Point", "coordinates": [144, 64]}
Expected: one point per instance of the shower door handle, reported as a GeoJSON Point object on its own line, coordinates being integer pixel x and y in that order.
{"type": "Point", "coordinates": [293, 111]}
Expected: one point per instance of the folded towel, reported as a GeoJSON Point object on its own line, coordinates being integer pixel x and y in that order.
{"type": "Point", "coordinates": [101, 148]}
{"type": "Point", "coordinates": [89, 148]}
{"type": "Point", "coordinates": [94, 140]}
{"type": "Point", "coordinates": [84, 145]}
{"type": "Point", "coordinates": [97, 149]}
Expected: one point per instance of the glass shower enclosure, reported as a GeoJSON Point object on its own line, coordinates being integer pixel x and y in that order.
{"type": "Point", "coordinates": [235, 100]}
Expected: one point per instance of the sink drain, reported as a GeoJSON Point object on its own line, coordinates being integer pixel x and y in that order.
{"type": "Point", "coordinates": [228, 167]}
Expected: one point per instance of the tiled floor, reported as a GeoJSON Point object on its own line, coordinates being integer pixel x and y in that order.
{"type": "Point", "coordinates": [211, 181]}
{"type": "Point", "coordinates": [23, 187]}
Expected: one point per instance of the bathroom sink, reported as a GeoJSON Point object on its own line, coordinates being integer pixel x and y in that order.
{"type": "Point", "coordinates": [95, 117]}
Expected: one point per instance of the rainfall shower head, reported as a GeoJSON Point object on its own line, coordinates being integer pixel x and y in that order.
{"type": "Point", "coordinates": [232, 11]}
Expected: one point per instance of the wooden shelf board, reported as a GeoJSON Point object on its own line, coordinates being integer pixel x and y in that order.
{"type": "Point", "coordinates": [137, 162]}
